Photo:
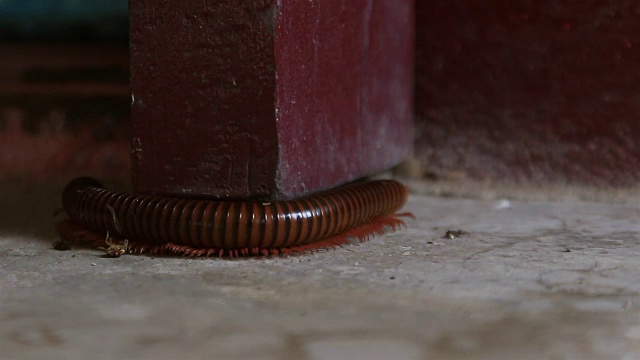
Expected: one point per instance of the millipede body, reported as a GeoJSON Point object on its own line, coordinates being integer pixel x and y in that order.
{"type": "Point", "coordinates": [169, 225]}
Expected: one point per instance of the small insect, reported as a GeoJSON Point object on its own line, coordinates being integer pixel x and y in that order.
{"type": "Point", "coordinates": [62, 245]}
{"type": "Point", "coordinates": [115, 249]}
{"type": "Point", "coordinates": [452, 234]}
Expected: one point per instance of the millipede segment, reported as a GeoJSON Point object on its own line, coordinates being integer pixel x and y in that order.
{"type": "Point", "coordinates": [157, 225]}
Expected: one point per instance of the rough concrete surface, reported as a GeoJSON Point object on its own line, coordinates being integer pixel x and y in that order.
{"type": "Point", "coordinates": [529, 280]}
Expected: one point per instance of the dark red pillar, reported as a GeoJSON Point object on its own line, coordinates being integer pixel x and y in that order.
{"type": "Point", "coordinates": [268, 99]}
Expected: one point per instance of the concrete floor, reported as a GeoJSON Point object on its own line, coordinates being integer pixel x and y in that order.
{"type": "Point", "coordinates": [529, 280]}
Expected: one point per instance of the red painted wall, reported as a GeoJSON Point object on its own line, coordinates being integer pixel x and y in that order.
{"type": "Point", "coordinates": [532, 92]}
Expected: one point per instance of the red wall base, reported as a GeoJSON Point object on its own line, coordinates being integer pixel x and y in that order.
{"type": "Point", "coordinates": [535, 92]}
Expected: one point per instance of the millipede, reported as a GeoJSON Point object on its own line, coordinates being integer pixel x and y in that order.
{"type": "Point", "coordinates": [171, 225]}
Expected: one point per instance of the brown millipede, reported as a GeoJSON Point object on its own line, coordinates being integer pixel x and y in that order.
{"type": "Point", "coordinates": [157, 224]}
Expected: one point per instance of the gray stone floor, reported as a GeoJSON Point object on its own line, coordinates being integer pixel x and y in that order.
{"type": "Point", "coordinates": [529, 280]}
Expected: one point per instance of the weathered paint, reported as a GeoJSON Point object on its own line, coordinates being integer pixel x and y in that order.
{"type": "Point", "coordinates": [260, 99]}
{"type": "Point", "coordinates": [203, 97]}
{"type": "Point", "coordinates": [531, 92]}
{"type": "Point", "coordinates": [344, 90]}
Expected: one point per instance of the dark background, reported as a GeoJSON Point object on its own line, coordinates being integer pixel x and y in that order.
{"type": "Point", "coordinates": [64, 20]}
{"type": "Point", "coordinates": [535, 92]}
